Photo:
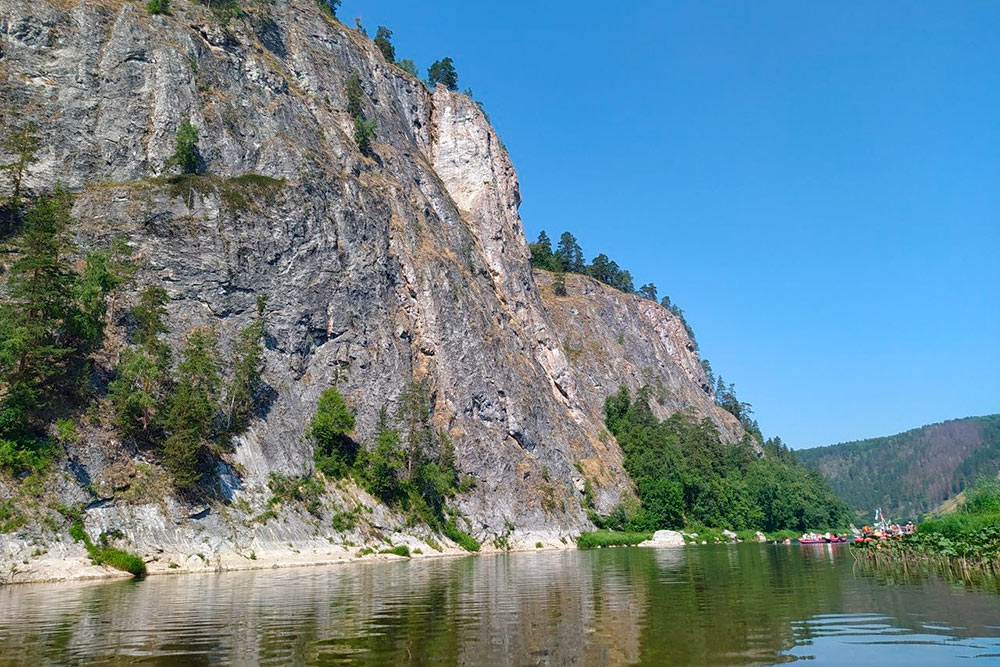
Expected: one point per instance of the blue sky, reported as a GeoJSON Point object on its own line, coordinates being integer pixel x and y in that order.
{"type": "Point", "coordinates": [816, 184]}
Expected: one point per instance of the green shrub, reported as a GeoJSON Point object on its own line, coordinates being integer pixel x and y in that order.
{"type": "Point", "coordinates": [364, 133]}
{"type": "Point", "coordinates": [401, 550]}
{"type": "Point", "coordinates": [102, 554]}
{"type": "Point", "coordinates": [460, 537]}
{"type": "Point", "coordinates": [156, 7]}
{"type": "Point", "coordinates": [186, 155]}
{"type": "Point", "coordinates": [610, 538]}
{"type": "Point", "coordinates": [329, 427]}
{"type": "Point", "coordinates": [983, 498]}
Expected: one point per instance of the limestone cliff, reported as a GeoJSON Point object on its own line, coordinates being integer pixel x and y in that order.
{"type": "Point", "coordinates": [411, 264]}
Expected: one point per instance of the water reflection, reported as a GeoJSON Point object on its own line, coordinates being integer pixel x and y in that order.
{"type": "Point", "coordinates": [705, 605]}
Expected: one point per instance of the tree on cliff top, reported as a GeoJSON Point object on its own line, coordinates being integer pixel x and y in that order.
{"type": "Point", "coordinates": [443, 72]}
{"type": "Point", "coordinates": [383, 40]}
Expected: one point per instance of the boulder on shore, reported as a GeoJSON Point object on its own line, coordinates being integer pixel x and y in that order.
{"type": "Point", "coordinates": [730, 536]}
{"type": "Point", "coordinates": [760, 537]}
{"type": "Point", "coordinates": [664, 538]}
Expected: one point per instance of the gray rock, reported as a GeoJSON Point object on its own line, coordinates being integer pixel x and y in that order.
{"type": "Point", "coordinates": [664, 538]}
{"type": "Point", "coordinates": [406, 266]}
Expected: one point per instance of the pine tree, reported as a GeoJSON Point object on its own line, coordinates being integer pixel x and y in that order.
{"type": "Point", "coordinates": [443, 72]}
{"type": "Point", "coordinates": [39, 309]}
{"type": "Point", "coordinates": [383, 40]}
{"type": "Point", "coordinates": [192, 408]}
{"type": "Point", "coordinates": [414, 413]}
{"type": "Point", "coordinates": [648, 291]}
{"type": "Point", "coordinates": [569, 253]}
{"type": "Point", "coordinates": [248, 366]}
{"type": "Point", "coordinates": [408, 65]}
{"type": "Point", "coordinates": [143, 374]}
{"type": "Point", "coordinates": [23, 144]}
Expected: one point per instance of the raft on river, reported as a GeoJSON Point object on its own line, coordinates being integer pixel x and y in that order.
{"type": "Point", "coordinates": [833, 539]}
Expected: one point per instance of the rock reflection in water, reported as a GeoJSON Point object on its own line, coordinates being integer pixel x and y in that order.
{"type": "Point", "coordinates": [701, 605]}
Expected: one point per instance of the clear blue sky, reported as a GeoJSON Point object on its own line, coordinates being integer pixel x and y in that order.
{"type": "Point", "coordinates": [816, 184]}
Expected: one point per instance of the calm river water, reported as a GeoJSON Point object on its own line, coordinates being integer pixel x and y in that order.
{"type": "Point", "coordinates": [735, 604]}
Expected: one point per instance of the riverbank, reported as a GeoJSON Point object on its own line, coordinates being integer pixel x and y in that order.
{"type": "Point", "coordinates": [67, 561]}
{"type": "Point", "coordinates": [693, 535]}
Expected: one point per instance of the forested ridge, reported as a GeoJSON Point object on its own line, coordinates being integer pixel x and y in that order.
{"type": "Point", "coordinates": [912, 472]}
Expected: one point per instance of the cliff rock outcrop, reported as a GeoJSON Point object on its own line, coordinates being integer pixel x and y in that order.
{"type": "Point", "coordinates": [407, 265]}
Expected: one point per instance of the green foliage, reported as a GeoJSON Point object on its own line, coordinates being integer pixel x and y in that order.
{"type": "Point", "coordinates": [102, 554]}
{"type": "Point", "coordinates": [569, 254]}
{"type": "Point", "coordinates": [142, 378]}
{"type": "Point", "coordinates": [684, 474]}
{"type": "Point", "coordinates": [568, 257]}
{"type": "Point", "coordinates": [305, 490]}
{"type": "Point", "coordinates": [329, 7]}
{"type": "Point", "coordinates": [329, 427]}
{"type": "Point", "coordinates": [224, 10]}
{"type": "Point", "coordinates": [401, 550]}
{"type": "Point", "coordinates": [21, 142]}
{"type": "Point", "coordinates": [247, 365]}
{"type": "Point", "coordinates": [192, 409]}
{"type": "Point", "coordinates": [414, 414]}
{"type": "Point", "coordinates": [186, 155]}
{"type": "Point", "coordinates": [542, 256]}
{"type": "Point", "coordinates": [364, 128]}
{"type": "Point", "coordinates": [386, 466]}
{"type": "Point", "coordinates": [982, 499]}
{"type": "Point", "coordinates": [10, 517]}
{"type": "Point", "coordinates": [383, 40]}
{"type": "Point", "coordinates": [346, 520]}
{"type": "Point", "coordinates": [443, 72]}
{"type": "Point", "coordinates": [157, 7]}
{"type": "Point", "coordinates": [408, 65]}
{"type": "Point", "coordinates": [611, 538]}
{"type": "Point", "coordinates": [364, 134]}
{"type": "Point", "coordinates": [913, 472]}
{"type": "Point", "coordinates": [559, 284]}
{"type": "Point", "coordinates": [52, 316]}
{"type": "Point", "coordinates": [355, 96]}
{"type": "Point", "coordinates": [460, 537]}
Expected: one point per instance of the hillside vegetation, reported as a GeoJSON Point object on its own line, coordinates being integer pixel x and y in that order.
{"type": "Point", "coordinates": [913, 472]}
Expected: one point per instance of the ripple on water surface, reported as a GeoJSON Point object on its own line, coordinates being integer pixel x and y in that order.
{"type": "Point", "coordinates": [743, 604]}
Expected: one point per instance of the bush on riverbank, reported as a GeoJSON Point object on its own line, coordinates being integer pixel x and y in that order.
{"type": "Point", "coordinates": [610, 538]}
{"type": "Point", "coordinates": [102, 554]}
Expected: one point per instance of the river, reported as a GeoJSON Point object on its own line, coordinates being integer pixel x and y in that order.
{"type": "Point", "coordinates": [736, 604]}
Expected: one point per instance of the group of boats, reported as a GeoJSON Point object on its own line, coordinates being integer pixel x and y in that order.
{"type": "Point", "coordinates": [881, 529]}
{"type": "Point", "coordinates": [825, 538]}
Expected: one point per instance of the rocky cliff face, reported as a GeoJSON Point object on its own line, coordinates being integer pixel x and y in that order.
{"type": "Point", "coordinates": [613, 339]}
{"type": "Point", "coordinates": [409, 265]}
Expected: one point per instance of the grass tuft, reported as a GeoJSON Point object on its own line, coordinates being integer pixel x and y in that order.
{"type": "Point", "coordinates": [610, 538]}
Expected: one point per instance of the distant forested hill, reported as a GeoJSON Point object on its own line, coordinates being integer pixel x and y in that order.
{"type": "Point", "coordinates": [913, 472]}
